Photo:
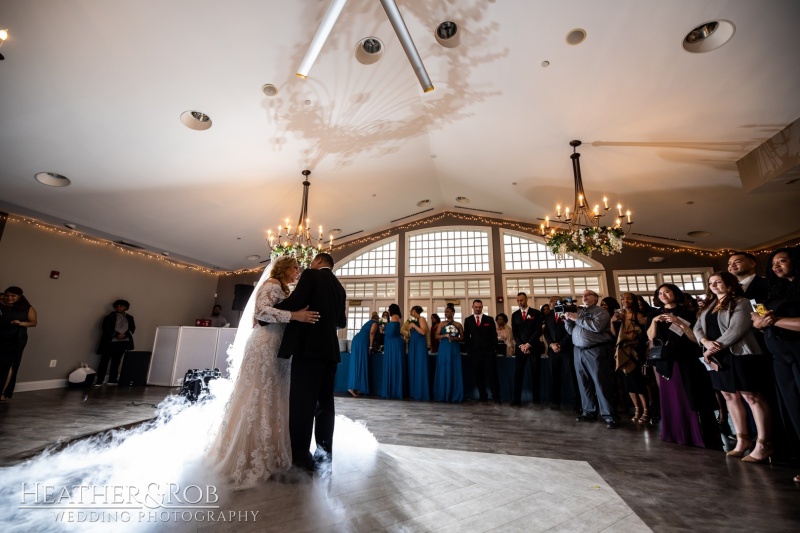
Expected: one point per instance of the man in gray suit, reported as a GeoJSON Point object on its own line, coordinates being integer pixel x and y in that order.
{"type": "Point", "coordinates": [594, 358]}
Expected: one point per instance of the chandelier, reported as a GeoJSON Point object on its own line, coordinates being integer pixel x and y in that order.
{"type": "Point", "coordinates": [298, 241]}
{"type": "Point", "coordinates": [579, 230]}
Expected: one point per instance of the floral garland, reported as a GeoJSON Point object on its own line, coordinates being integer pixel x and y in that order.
{"type": "Point", "coordinates": [584, 241]}
{"type": "Point", "coordinates": [303, 254]}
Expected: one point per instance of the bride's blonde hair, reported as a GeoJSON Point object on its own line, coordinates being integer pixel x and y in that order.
{"type": "Point", "coordinates": [279, 268]}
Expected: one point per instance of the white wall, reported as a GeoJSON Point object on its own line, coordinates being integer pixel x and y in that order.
{"type": "Point", "coordinates": [92, 276]}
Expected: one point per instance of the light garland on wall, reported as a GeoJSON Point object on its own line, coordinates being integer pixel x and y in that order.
{"type": "Point", "coordinates": [140, 253]}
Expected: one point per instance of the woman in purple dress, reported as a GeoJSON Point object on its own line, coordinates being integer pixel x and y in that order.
{"type": "Point", "coordinates": [687, 397]}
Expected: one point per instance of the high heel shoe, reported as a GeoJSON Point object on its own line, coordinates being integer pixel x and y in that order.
{"type": "Point", "coordinates": [740, 453]}
{"type": "Point", "coordinates": [636, 415]}
{"type": "Point", "coordinates": [767, 450]}
{"type": "Point", "coordinates": [645, 418]}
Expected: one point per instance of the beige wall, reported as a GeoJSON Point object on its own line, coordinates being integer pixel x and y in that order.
{"type": "Point", "coordinates": [92, 276]}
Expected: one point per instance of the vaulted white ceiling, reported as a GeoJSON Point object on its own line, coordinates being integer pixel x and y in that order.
{"type": "Point", "coordinates": [93, 90]}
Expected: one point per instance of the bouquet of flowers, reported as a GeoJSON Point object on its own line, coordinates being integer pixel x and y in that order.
{"type": "Point", "coordinates": [412, 320]}
{"type": "Point", "coordinates": [451, 330]}
{"type": "Point", "coordinates": [383, 321]}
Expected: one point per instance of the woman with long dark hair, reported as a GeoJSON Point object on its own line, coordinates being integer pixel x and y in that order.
{"type": "Point", "coordinates": [686, 394]}
{"type": "Point", "coordinates": [628, 327]}
{"type": "Point", "coordinates": [725, 331]}
{"type": "Point", "coordinates": [781, 325]}
{"type": "Point", "coordinates": [16, 316]}
{"type": "Point", "coordinates": [394, 350]}
{"type": "Point", "coordinates": [418, 383]}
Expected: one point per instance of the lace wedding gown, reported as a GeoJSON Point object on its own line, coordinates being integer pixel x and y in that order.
{"type": "Point", "coordinates": [253, 439]}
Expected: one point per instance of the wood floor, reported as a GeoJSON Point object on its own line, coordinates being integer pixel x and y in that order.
{"type": "Point", "coordinates": [668, 487]}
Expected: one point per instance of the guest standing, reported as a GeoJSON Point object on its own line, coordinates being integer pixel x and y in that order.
{"type": "Point", "coordinates": [687, 402]}
{"type": "Point", "coordinates": [418, 383]}
{"type": "Point", "coordinates": [505, 336]}
{"type": "Point", "coordinates": [394, 348]}
{"type": "Point", "coordinates": [480, 337]}
{"type": "Point", "coordinates": [594, 358]}
{"type": "Point", "coordinates": [781, 327]}
{"type": "Point", "coordinates": [628, 325]}
{"type": "Point", "coordinates": [724, 330]}
{"type": "Point", "coordinates": [526, 323]}
{"type": "Point", "coordinates": [117, 338]}
{"type": "Point", "coordinates": [433, 339]}
{"type": "Point", "coordinates": [449, 382]}
{"type": "Point", "coordinates": [743, 266]}
{"type": "Point", "coordinates": [561, 355]}
{"type": "Point", "coordinates": [16, 316]}
{"type": "Point", "coordinates": [360, 350]}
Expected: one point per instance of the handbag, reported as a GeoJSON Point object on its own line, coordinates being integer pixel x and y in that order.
{"type": "Point", "coordinates": [659, 352]}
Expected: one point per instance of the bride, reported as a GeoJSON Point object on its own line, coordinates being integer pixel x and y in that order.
{"type": "Point", "coordinates": [253, 440]}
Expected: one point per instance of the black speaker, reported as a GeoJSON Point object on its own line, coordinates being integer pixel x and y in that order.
{"type": "Point", "coordinates": [241, 294]}
{"type": "Point", "coordinates": [134, 369]}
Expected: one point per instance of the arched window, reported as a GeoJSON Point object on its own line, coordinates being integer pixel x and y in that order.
{"type": "Point", "coordinates": [526, 252]}
{"type": "Point", "coordinates": [380, 260]}
{"type": "Point", "coordinates": [450, 251]}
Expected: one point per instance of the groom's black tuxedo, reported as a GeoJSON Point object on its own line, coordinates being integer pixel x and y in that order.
{"type": "Point", "coordinates": [527, 331]}
{"type": "Point", "coordinates": [481, 342]}
{"type": "Point", "coordinates": [314, 349]}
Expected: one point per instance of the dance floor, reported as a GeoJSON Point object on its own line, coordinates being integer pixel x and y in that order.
{"type": "Point", "coordinates": [435, 467]}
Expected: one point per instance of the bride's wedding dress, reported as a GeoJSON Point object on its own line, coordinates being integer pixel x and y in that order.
{"type": "Point", "coordinates": [253, 439]}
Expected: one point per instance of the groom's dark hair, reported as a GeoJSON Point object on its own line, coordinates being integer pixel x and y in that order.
{"type": "Point", "coordinates": [326, 259]}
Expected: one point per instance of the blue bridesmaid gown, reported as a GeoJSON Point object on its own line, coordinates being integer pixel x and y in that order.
{"type": "Point", "coordinates": [418, 367]}
{"type": "Point", "coordinates": [394, 348]}
{"type": "Point", "coordinates": [358, 377]}
{"type": "Point", "coordinates": [449, 383]}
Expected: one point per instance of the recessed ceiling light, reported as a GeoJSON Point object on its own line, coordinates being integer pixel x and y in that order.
{"type": "Point", "coordinates": [51, 179]}
{"type": "Point", "coordinates": [462, 199]}
{"type": "Point", "coordinates": [269, 90]}
{"type": "Point", "coordinates": [576, 36]}
{"type": "Point", "coordinates": [656, 259]}
{"type": "Point", "coordinates": [708, 36]}
{"type": "Point", "coordinates": [699, 234]}
{"type": "Point", "coordinates": [308, 102]}
{"type": "Point", "coordinates": [253, 257]}
{"type": "Point", "coordinates": [423, 202]}
{"type": "Point", "coordinates": [448, 34]}
{"type": "Point", "coordinates": [165, 253]}
{"type": "Point", "coordinates": [196, 120]}
{"type": "Point", "coordinates": [433, 156]}
{"type": "Point", "coordinates": [513, 183]}
{"type": "Point", "coordinates": [690, 202]}
{"type": "Point", "coordinates": [374, 195]}
{"type": "Point", "coordinates": [70, 225]}
{"type": "Point", "coordinates": [335, 232]}
{"type": "Point", "coordinates": [369, 50]}
{"type": "Point", "coordinates": [545, 64]}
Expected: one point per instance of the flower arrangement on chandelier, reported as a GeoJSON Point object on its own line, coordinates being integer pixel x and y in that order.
{"type": "Point", "coordinates": [584, 241]}
{"type": "Point", "coordinates": [303, 254]}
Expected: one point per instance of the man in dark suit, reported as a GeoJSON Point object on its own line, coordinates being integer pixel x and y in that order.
{"type": "Point", "coordinates": [314, 349]}
{"type": "Point", "coordinates": [561, 354]}
{"type": "Point", "coordinates": [480, 337]}
{"type": "Point", "coordinates": [526, 323]}
{"type": "Point", "coordinates": [743, 266]}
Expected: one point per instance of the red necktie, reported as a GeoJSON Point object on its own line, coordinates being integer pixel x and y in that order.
{"type": "Point", "coordinates": [523, 314]}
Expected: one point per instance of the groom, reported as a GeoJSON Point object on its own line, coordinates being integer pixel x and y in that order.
{"type": "Point", "coordinates": [314, 349]}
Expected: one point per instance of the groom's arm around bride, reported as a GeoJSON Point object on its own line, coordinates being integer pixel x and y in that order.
{"type": "Point", "coordinates": [314, 349]}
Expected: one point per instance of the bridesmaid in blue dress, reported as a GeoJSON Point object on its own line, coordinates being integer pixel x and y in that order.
{"type": "Point", "coordinates": [449, 382]}
{"type": "Point", "coordinates": [419, 386]}
{"type": "Point", "coordinates": [360, 349]}
{"type": "Point", "coordinates": [394, 350]}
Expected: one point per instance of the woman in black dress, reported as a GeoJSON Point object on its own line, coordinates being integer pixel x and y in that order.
{"type": "Point", "coordinates": [781, 325]}
{"type": "Point", "coordinates": [16, 316]}
{"type": "Point", "coordinates": [725, 331]}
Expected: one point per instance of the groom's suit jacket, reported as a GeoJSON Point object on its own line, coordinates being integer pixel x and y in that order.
{"type": "Point", "coordinates": [480, 339]}
{"type": "Point", "coordinates": [321, 291]}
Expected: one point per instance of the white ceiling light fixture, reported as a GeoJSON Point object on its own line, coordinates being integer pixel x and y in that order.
{"type": "Point", "coordinates": [369, 50]}
{"type": "Point", "coordinates": [269, 90]}
{"type": "Point", "coordinates": [196, 120]}
{"type": "Point", "coordinates": [324, 30]}
{"type": "Point", "coordinates": [51, 179]}
{"type": "Point", "coordinates": [448, 34]}
{"type": "Point", "coordinates": [3, 37]}
{"type": "Point", "coordinates": [708, 36]}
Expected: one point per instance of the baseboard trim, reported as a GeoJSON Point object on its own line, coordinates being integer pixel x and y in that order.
{"type": "Point", "coordinates": [26, 386]}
